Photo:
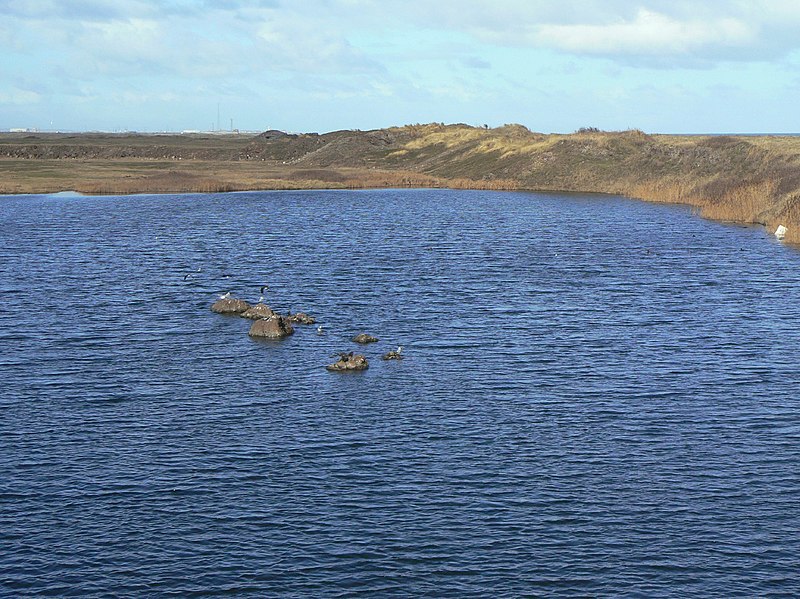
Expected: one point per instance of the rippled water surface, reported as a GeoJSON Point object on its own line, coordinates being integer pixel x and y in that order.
{"type": "Point", "coordinates": [599, 397]}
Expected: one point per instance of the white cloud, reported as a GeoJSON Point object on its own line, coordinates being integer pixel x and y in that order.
{"type": "Point", "coordinates": [18, 96]}
{"type": "Point", "coordinates": [670, 32]}
{"type": "Point", "coordinates": [184, 39]}
{"type": "Point", "coordinates": [226, 38]}
{"type": "Point", "coordinates": [648, 33]}
{"type": "Point", "coordinates": [291, 41]}
{"type": "Point", "coordinates": [359, 58]}
{"type": "Point", "coordinates": [132, 40]}
{"type": "Point", "coordinates": [77, 9]}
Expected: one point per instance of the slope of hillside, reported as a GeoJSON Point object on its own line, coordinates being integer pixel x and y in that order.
{"type": "Point", "coordinates": [743, 179]}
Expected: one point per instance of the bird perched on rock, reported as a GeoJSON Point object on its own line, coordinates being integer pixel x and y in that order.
{"type": "Point", "coordinates": [394, 354]}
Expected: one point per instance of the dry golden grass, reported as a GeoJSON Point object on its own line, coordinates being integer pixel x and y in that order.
{"type": "Point", "coordinates": [447, 138]}
{"type": "Point", "coordinates": [672, 191]}
{"type": "Point", "coordinates": [507, 140]}
{"type": "Point", "coordinates": [748, 203]}
{"type": "Point", "coordinates": [120, 178]}
{"type": "Point", "coordinates": [493, 184]}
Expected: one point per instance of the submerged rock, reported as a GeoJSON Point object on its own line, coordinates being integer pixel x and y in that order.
{"type": "Point", "coordinates": [276, 327]}
{"type": "Point", "coordinates": [302, 318]}
{"type": "Point", "coordinates": [364, 338]}
{"type": "Point", "coordinates": [349, 363]}
{"type": "Point", "coordinates": [259, 311]}
{"type": "Point", "coordinates": [395, 354]}
{"type": "Point", "coordinates": [229, 305]}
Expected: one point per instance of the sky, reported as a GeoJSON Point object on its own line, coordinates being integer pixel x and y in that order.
{"type": "Point", "coordinates": [663, 66]}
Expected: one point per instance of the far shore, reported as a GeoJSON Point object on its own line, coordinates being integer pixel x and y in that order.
{"type": "Point", "coordinates": [741, 179]}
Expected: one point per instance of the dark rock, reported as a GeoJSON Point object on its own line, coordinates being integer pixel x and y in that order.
{"type": "Point", "coordinates": [349, 363]}
{"type": "Point", "coordinates": [230, 305]}
{"type": "Point", "coordinates": [302, 318]}
{"type": "Point", "coordinates": [259, 311]}
{"type": "Point", "coordinates": [364, 338]}
{"type": "Point", "coordinates": [274, 134]}
{"type": "Point", "coordinates": [276, 327]}
{"type": "Point", "coordinates": [394, 354]}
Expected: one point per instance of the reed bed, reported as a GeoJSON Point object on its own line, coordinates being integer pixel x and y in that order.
{"type": "Point", "coordinates": [745, 203]}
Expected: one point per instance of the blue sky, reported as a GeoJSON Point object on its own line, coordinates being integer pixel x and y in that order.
{"type": "Point", "coordinates": [321, 65]}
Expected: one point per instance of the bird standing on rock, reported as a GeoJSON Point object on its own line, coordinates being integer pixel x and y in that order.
{"type": "Point", "coordinates": [395, 354]}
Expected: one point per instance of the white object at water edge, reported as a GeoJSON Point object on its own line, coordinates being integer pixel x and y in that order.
{"type": "Point", "coordinates": [780, 232]}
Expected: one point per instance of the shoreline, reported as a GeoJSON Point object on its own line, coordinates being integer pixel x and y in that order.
{"type": "Point", "coordinates": [736, 179]}
{"type": "Point", "coordinates": [73, 193]}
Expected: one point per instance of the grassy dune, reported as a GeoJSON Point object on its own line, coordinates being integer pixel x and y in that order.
{"type": "Point", "coordinates": [741, 179]}
{"type": "Point", "coordinates": [734, 178]}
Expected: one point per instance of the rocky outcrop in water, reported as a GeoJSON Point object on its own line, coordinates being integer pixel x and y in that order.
{"type": "Point", "coordinates": [230, 305]}
{"type": "Point", "coordinates": [302, 318]}
{"type": "Point", "coordinates": [394, 354]}
{"type": "Point", "coordinates": [364, 338]}
{"type": "Point", "coordinates": [349, 363]}
{"type": "Point", "coordinates": [259, 311]}
{"type": "Point", "coordinates": [276, 327]}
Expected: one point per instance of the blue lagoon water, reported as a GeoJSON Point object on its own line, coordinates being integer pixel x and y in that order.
{"type": "Point", "coordinates": [599, 397]}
